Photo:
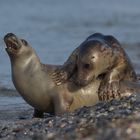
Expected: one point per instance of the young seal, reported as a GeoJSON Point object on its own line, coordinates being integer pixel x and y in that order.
{"type": "Point", "coordinates": [33, 80]}
{"type": "Point", "coordinates": [98, 56]}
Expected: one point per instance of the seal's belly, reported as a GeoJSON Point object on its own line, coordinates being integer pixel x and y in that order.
{"type": "Point", "coordinates": [84, 100]}
{"type": "Point", "coordinates": [86, 96]}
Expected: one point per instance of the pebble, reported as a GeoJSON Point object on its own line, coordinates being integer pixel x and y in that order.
{"type": "Point", "coordinates": [116, 119]}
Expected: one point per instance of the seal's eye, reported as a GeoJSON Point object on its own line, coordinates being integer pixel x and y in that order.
{"type": "Point", "coordinates": [86, 66]}
{"type": "Point", "coordinates": [24, 42]}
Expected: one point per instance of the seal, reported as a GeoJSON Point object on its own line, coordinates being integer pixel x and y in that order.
{"type": "Point", "coordinates": [33, 80]}
{"type": "Point", "coordinates": [98, 56]}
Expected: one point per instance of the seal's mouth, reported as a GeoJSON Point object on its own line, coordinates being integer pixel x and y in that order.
{"type": "Point", "coordinates": [13, 44]}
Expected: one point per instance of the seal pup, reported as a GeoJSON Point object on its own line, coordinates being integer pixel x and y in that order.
{"type": "Point", "coordinates": [98, 56]}
{"type": "Point", "coordinates": [33, 80]}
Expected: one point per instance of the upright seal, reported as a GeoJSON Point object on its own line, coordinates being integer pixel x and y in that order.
{"type": "Point", "coordinates": [33, 80]}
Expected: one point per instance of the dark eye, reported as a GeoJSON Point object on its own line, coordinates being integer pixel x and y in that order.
{"type": "Point", "coordinates": [86, 66]}
{"type": "Point", "coordinates": [24, 42]}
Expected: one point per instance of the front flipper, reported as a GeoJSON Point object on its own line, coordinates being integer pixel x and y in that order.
{"type": "Point", "coordinates": [110, 85]}
{"type": "Point", "coordinates": [108, 91]}
{"type": "Point", "coordinates": [116, 90]}
{"type": "Point", "coordinates": [62, 74]}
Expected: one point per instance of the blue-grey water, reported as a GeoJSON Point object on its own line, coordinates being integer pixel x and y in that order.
{"type": "Point", "coordinates": [55, 27]}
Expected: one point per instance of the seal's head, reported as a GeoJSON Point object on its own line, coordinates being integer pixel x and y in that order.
{"type": "Point", "coordinates": [16, 47]}
{"type": "Point", "coordinates": [94, 60]}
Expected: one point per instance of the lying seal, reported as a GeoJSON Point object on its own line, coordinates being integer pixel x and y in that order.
{"type": "Point", "coordinates": [98, 56]}
{"type": "Point", "coordinates": [33, 80]}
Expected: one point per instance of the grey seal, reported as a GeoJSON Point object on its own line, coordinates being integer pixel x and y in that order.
{"type": "Point", "coordinates": [98, 56]}
{"type": "Point", "coordinates": [33, 80]}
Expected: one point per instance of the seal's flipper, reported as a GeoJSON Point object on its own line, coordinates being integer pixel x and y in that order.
{"type": "Point", "coordinates": [126, 88]}
{"type": "Point", "coordinates": [109, 91]}
{"type": "Point", "coordinates": [61, 75]}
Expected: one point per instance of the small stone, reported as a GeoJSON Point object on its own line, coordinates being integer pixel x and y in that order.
{"type": "Point", "coordinates": [50, 135]}
{"type": "Point", "coordinates": [16, 130]}
{"type": "Point", "coordinates": [50, 124]}
{"type": "Point", "coordinates": [129, 131]}
{"type": "Point", "coordinates": [63, 125]}
{"type": "Point", "coordinates": [111, 108]}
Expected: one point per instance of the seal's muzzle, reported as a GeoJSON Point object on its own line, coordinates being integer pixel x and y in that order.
{"type": "Point", "coordinates": [12, 42]}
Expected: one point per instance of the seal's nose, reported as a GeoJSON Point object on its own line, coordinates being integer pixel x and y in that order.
{"type": "Point", "coordinates": [8, 36]}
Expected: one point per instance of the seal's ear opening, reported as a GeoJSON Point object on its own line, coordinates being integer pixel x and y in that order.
{"type": "Point", "coordinates": [24, 42]}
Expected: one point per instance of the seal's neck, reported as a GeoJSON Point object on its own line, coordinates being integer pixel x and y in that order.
{"type": "Point", "coordinates": [28, 72]}
{"type": "Point", "coordinates": [26, 63]}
